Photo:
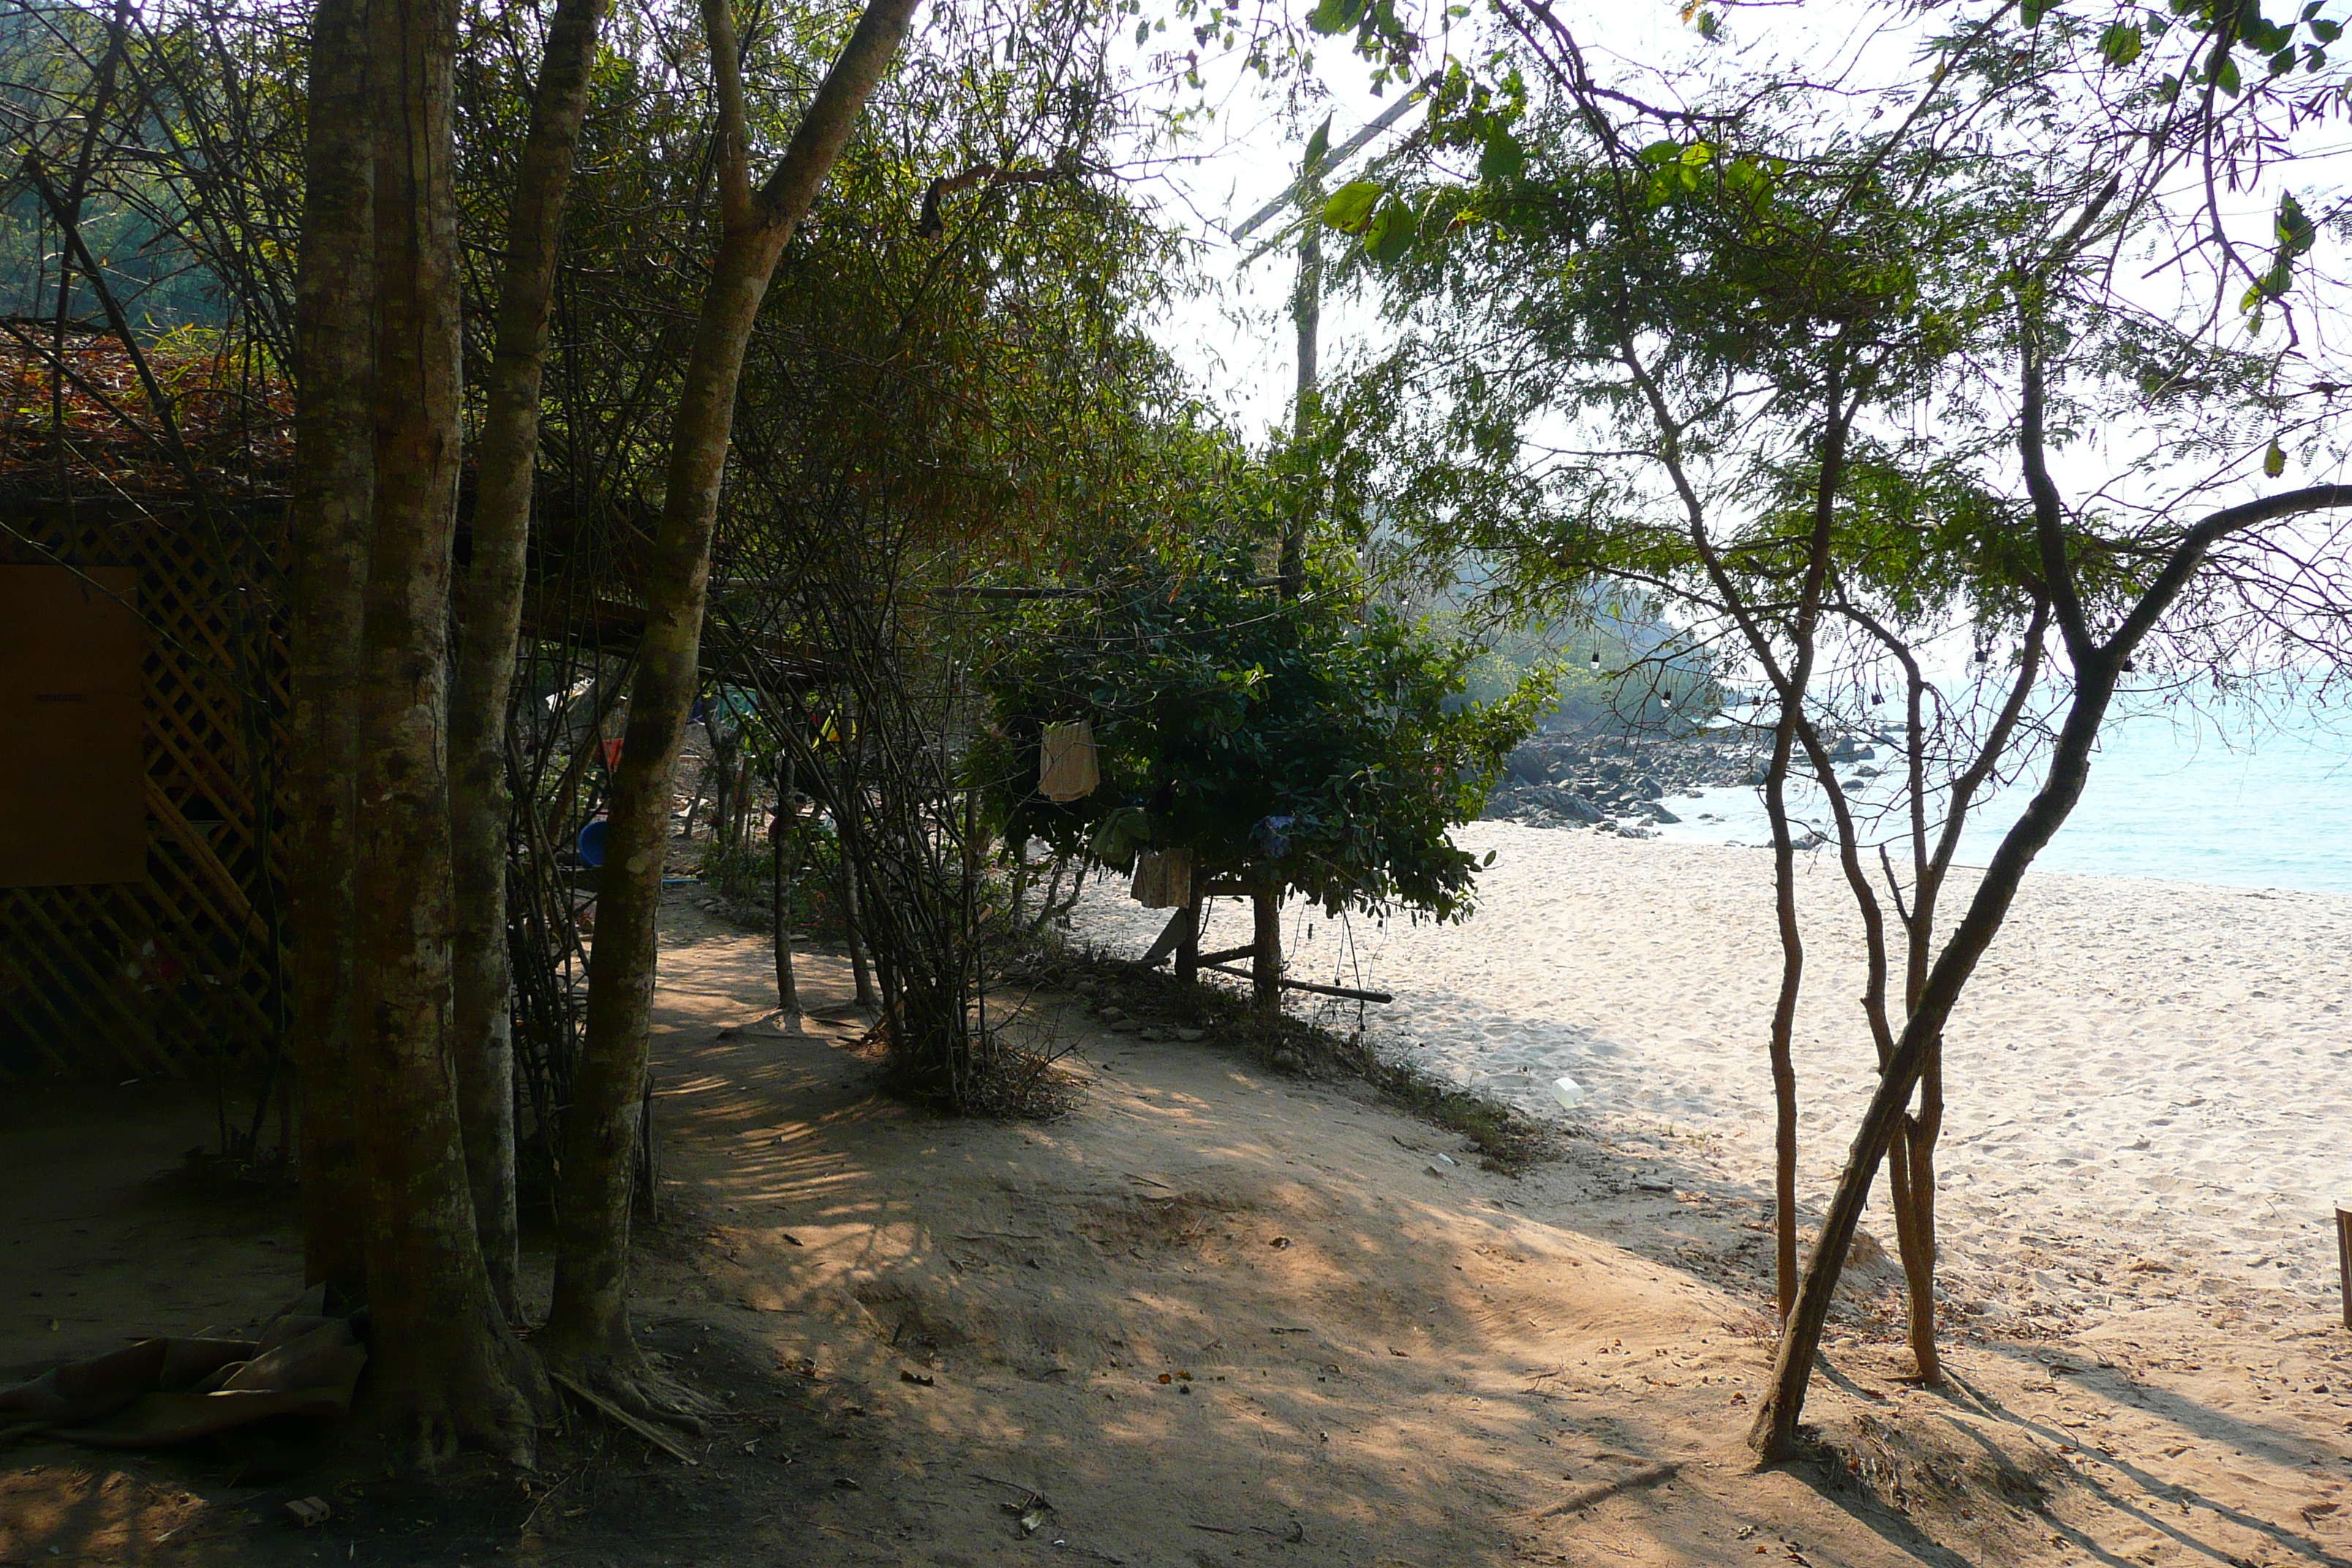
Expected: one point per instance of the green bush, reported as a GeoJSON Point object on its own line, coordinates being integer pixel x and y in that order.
{"type": "Point", "coordinates": [1319, 744]}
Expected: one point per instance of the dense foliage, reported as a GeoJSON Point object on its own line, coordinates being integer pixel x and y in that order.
{"type": "Point", "coordinates": [1317, 744]}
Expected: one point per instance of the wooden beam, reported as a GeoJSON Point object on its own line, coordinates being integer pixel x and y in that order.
{"type": "Point", "coordinates": [1290, 984]}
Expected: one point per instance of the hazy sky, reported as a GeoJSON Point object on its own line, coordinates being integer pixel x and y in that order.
{"type": "Point", "coordinates": [1236, 338]}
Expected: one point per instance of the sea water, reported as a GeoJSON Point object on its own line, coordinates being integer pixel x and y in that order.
{"type": "Point", "coordinates": [2257, 798]}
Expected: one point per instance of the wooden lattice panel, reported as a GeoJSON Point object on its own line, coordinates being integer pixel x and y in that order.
{"type": "Point", "coordinates": [178, 972]}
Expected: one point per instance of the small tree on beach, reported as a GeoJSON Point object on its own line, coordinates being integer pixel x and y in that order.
{"type": "Point", "coordinates": [1804, 380]}
{"type": "Point", "coordinates": [1311, 746]}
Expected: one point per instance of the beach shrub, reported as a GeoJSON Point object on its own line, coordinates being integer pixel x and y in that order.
{"type": "Point", "coordinates": [1320, 745]}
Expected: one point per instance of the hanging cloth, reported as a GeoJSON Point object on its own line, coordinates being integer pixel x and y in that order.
{"type": "Point", "coordinates": [1163, 878]}
{"type": "Point", "coordinates": [1065, 763]}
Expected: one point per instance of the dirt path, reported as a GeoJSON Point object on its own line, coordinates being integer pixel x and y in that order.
{"type": "Point", "coordinates": [1373, 1357]}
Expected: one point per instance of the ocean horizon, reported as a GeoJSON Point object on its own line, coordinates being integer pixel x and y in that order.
{"type": "Point", "coordinates": [2260, 799]}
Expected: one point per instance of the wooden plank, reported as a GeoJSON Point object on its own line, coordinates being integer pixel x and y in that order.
{"type": "Point", "coordinates": [2344, 1253]}
{"type": "Point", "coordinates": [201, 853]}
{"type": "Point", "coordinates": [70, 771]}
{"type": "Point", "coordinates": [1290, 984]}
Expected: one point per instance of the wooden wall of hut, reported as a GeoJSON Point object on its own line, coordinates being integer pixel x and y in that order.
{"type": "Point", "coordinates": [175, 968]}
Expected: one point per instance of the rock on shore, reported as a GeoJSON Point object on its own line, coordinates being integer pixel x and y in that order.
{"type": "Point", "coordinates": [1617, 784]}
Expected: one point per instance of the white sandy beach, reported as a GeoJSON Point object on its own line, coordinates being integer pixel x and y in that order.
{"type": "Point", "coordinates": [2149, 1084]}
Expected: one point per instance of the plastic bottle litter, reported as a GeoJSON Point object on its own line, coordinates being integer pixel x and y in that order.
{"type": "Point", "coordinates": [1569, 1093]}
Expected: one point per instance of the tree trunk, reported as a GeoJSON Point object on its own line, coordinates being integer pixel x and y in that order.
{"type": "Point", "coordinates": [788, 990]}
{"type": "Point", "coordinates": [587, 1329]}
{"type": "Point", "coordinates": [853, 925]}
{"type": "Point", "coordinates": [1188, 939]}
{"type": "Point", "coordinates": [1306, 315]}
{"type": "Point", "coordinates": [1266, 963]}
{"type": "Point", "coordinates": [744, 803]}
{"type": "Point", "coordinates": [1791, 688]}
{"type": "Point", "coordinates": [1784, 1017]}
{"type": "Point", "coordinates": [1020, 888]}
{"type": "Point", "coordinates": [1915, 1148]}
{"type": "Point", "coordinates": [444, 1369]}
{"type": "Point", "coordinates": [480, 807]}
{"type": "Point", "coordinates": [334, 488]}
{"type": "Point", "coordinates": [1774, 1434]}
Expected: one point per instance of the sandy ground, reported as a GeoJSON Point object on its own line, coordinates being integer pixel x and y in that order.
{"type": "Point", "coordinates": [1373, 1356]}
{"type": "Point", "coordinates": [2149, 1084]}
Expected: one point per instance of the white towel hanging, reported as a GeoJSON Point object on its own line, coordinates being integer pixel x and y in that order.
{"type": "Point", "coordinates": [1065, 764]}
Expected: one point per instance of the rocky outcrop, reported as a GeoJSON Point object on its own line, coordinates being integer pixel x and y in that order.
{"type": "Point", "coordinates": [1614, 782]}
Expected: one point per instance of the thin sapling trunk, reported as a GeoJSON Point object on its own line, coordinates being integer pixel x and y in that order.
{"type": "Point", "coordinates": [481, 810]}
{"type": "Point", "coordinates": [786, 840]}
{"type": "Point", "coordinates": [587, 1330]}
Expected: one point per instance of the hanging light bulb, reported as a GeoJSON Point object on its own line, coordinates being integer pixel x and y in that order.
{"type": "Point", "coordinates": [1667, 698]}
{"type": "Point", "coordinates": [1878, 699]}
{"type": "Point", "coordinates": [1596, 661]}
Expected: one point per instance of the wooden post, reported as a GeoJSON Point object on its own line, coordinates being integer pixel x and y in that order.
{"type": "Point", "coordinates": [2344, 1253]}
{"type": "Point", "coordinates": [1266, 958]}
{"type": "Point", "coordinates": [1188, 940]}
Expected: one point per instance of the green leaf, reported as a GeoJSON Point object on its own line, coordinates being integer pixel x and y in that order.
{"type": "Point", "coordinates": [2226, 74]}
{"type": "Point", "coordinates": [1331, 17]}
{"type": "Point", "coordinates": [1317, 145]}
{"type": "Point", "coordinates": [2296, 231]}
{"type": "Point", "coordinates": [2266, 38]}
{"type": "Point", "coordinates": [1501, 158]}
{"type": "Point", "coordinates": [1660, 152]}
{"type": "Point", "coordinates": [1696, 154]}
{"type": "Point", "coordinates": [1392, 231]}
{"type": "Point", "coordinates": [2030, 12]}
{"type": "Point", "coordinates": [2326, 32]}
{"type": "Point", "coordinates": [2282, 62]}
{"type": "Point", "coordinates": [2274, 461]}
{"type": "Point", "coordinates": [1350, 205]}
{"type": "Point", "coordinates": [2122, 43]}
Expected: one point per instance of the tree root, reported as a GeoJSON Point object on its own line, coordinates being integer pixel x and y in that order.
{"type": "Point", "coordinates": [621, 1384]}
{"type": "Point", "coordinates": [494, 1396]}
{"type": "Point", "coordinates": [612, 1412]}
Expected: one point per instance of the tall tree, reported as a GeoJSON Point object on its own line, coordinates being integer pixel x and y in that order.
{"type": "Point", "coordinates": [330, 522]}
{"type": "Point", "coordinates": [446, 1369]}
{"type": "Point", "coordinates": [504, 466]}
{"type": "Point", "coordinates": [587, 1332]}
